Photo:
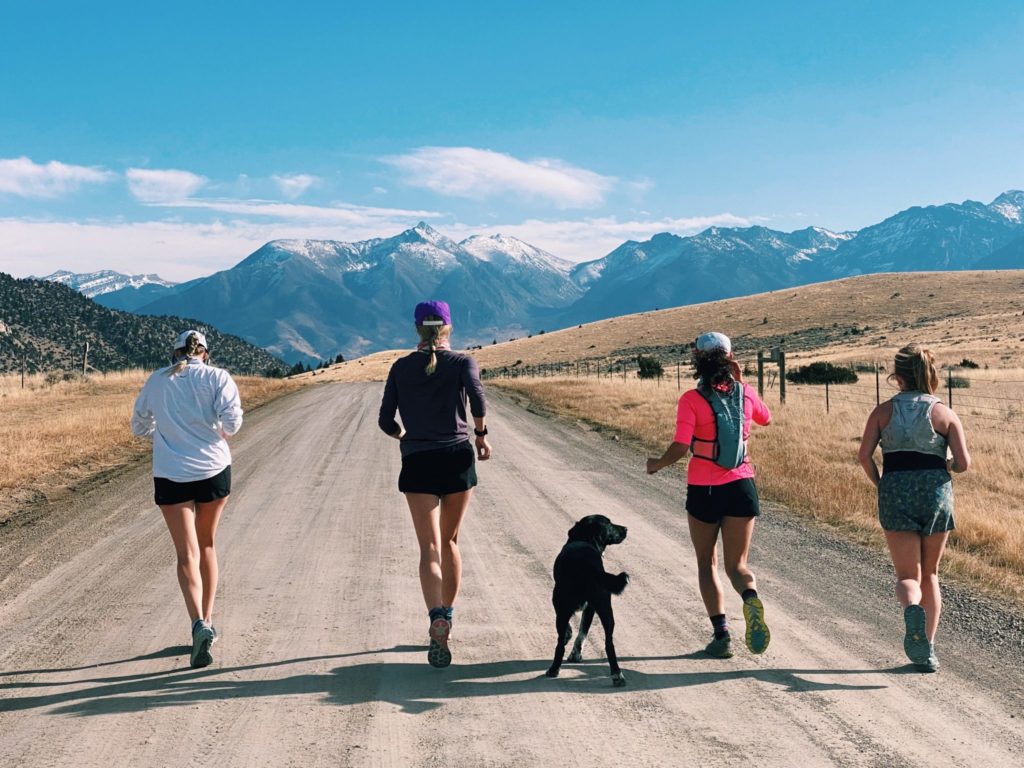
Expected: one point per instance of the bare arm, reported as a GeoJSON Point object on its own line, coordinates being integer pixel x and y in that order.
{"type": "Point", "coordinates": [946, 422]}
{"type": "Point", "coordinates": [868, 443]}
{"type": "Point", "coordinates": [673, 453]}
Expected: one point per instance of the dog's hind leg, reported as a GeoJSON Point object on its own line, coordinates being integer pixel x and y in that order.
{"type": "Point", "coordinates": [604, 612]}
{"type": "Point", "coordinates": [586, 620]}
{"type": "Point", "coordinates": [564, 630]}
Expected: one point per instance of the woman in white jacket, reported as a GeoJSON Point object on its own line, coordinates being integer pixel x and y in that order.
{"type": "Point", "coordinates": [187, 410]}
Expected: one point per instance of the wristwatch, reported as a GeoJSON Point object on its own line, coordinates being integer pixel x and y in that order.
{"type": "Point", "coordinates": [480, 432]}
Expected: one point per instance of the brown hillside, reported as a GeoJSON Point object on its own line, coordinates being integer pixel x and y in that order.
{"type": "Point", "coordinates": [979, 315]}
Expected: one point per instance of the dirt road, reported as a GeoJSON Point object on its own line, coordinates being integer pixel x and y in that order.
{"type": "Point", "coordinates": [322, 660]}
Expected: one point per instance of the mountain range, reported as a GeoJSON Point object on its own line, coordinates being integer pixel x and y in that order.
{"type": "Point", "coordinates": [305, 300]}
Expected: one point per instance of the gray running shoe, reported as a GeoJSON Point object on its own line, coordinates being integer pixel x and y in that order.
{"type": "Point", "coordinates": [719, 647]}
{"type": "Point", "coordinates": [202, 639]}
{"type": "Point", "coordinates": [931, 664]}
{"type": "Point", "coordinates": [216, 635]}
{"type": "Point", "coordinates": [915, 642]}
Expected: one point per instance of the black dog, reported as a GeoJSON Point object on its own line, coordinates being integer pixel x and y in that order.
{"type": "Point", "coordinates": [582, 584]}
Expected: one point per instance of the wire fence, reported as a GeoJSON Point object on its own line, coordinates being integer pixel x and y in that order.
{"type": "Point", "coordinates": [975, 396]}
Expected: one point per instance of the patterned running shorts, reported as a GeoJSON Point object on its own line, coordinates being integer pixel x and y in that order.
{"type": "Point", "coordinates": [919, 500]}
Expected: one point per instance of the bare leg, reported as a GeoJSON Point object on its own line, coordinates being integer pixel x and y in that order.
{"type": "Point", "coordinates": [453, 510]}
{"type": "Point", "coordinates": [207, 518]}
{"type": "Point", "coordinates": [905, 550]}
{"type": "Point", "coordinates": [932, 548]}
{"type": "Point", "coordinates": [426, 514]}
{"type": "Point", "coordinates": [181, 524]}
{"type": "Point", "coordinates": [736, 535]}
{"type": "Point", "coordinates": [705, 538]}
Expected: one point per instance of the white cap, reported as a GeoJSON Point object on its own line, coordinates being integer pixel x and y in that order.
{"type": "Point", "coordinates": [713, 340]}
{"type": "Point", "coordinates": [183, 339]}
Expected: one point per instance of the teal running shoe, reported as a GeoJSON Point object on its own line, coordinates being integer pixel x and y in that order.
{"type": "Point", "coordinates": [757, 636]}
{"type": "Point", "coordinates": [915, 643]}
{"type": "Point", "coordinates": [719, 647]}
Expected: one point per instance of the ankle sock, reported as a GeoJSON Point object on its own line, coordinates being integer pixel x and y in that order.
{"type": "Point", "coordinates": [748, 594]}
{"type": "Point", "coordinates": [720, 625]}
{"type": "Point", "coordinates": [437, 613]}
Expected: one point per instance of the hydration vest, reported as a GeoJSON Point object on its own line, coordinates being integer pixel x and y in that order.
{"type": "Point", "coordinates": [728, 449]}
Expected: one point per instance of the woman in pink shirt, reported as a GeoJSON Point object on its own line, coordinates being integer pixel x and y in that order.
{"type": "Point", "coordinates": [720, 492]}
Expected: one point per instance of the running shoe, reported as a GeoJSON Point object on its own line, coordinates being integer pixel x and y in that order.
{"type": "Point", "coordinates": [931, 664]}
{"type": "Point", "coordinates": [438, 655]}
{"type": "Point", "coordinates": [720, 647]}
{"type": "Point", "coordinates": [757, 636]}
{"type": "Point", "coordinates": [202, 639]}
{"type": "Point", "coordinates": [915, 642]}
{"type": "Point", "coordinates": [216, 635]}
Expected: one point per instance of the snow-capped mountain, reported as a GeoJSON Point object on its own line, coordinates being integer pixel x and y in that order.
{"type": "Point", "coordinates": [310, 299]}
{"type": "Point", "coordinates": [92, 284]}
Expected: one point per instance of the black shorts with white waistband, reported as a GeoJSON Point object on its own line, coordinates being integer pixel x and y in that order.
{"type": "Point", "coordinates": [202, 491]}
{"type": "Point", "coordinates": [710, 503]}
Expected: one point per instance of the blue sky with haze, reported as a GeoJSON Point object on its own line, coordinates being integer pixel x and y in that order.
{"type": "Point", "coordinates": [179, 139]}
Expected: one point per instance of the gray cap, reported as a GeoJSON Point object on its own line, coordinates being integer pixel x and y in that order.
{"type": "Point", "coordinates": [711, 340]}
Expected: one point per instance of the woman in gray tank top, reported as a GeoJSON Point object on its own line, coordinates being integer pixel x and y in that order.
{"type": "Point", "coordinates": [922, 442]}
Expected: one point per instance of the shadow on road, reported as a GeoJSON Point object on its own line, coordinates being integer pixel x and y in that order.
{"type": "Point", "coordinates": [411, 686]}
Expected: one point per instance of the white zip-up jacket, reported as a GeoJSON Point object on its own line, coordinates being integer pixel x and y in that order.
{"type": "Point", "coordinates": [187, 416]}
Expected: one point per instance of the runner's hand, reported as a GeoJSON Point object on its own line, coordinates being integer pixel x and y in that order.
{"type": "Point", "coordinates": [652, 466]}
{"type": "Point", "coordinates": [736, 371]}
{"type": "Point", "coordinates": [483, 448]}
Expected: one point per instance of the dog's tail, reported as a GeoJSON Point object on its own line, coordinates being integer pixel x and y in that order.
{"type": "Point", "coordinates": [616, 583]}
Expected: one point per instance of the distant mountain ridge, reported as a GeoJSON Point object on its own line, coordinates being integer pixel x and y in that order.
{"type": "Point", "coordinates": [48, 325]}
{"type": "Point", "coordinates": [310, 299]}
{"type": "Point", "coordinates": [93, 284]}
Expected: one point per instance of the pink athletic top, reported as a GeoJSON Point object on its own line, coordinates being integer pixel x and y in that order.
{"type": "Point", "coordinates": [695, 417]}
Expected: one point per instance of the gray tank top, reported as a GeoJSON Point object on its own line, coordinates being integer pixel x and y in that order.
{"type": "Point", "coordinates": [910, 428]}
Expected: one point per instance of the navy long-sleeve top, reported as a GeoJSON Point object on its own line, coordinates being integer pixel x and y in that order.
{"type": "Point", "coordinates": [432, 408]}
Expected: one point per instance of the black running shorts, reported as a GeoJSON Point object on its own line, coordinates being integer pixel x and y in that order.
{"type": "Point", "coordinates": [203, 491]}
{"type": "Point", "coordinates": [440, 471]}
{"type": "Point", "coordinates": [710, 503]}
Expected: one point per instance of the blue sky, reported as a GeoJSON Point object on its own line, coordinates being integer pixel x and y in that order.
{"type": "Point", "coordinates": [179, 139]}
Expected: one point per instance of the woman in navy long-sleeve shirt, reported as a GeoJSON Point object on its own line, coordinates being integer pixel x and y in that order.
{"type": "Point", "coordinates": [430, 390]}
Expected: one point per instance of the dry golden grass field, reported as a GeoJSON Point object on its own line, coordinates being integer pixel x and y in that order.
{"type": "Point", "coordinates": [807, 458]}
{"type": "Point", "coordinates": [54, 434]}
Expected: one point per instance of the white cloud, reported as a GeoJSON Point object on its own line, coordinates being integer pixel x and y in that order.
{"type": "Point", "coordinates": [342, 213]}
{"type": "Point", "coordinates": [591, 238]}
{"type": "Point", "coordinates": [479, 173]}
{"type": "Point", "coordinates": [159, 186]}
{"type": "Point", "coordinates": [24, 178]}
{"type": "Point", "coordinates": [295, 185]}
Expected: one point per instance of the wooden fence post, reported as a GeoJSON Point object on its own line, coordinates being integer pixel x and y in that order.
{"type": "Point", "coordinates": [760, 373]}
{"type": "Point", "coordinates": [878, 389]}
{"type": "Point", "coordinates": [782, 376]}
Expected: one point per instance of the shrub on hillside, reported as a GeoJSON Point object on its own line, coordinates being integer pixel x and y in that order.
{"type": "Point", "coordinates": [968, 363]}
{"type": "Point", "coordinates": [821, 373]}
{"type": "Point", "coordinates": [649, 367]}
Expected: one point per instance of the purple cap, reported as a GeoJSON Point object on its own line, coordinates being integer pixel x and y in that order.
{"type": "Point", "coordinates": [435, 308]}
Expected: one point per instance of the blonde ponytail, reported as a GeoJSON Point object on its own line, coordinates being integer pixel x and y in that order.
{"type": "Point", "coordinates": [192, 348]}
{"type": "Point", "coordinates": [915, 365]}
{"type": "Point", "coordinates": [430, 337]}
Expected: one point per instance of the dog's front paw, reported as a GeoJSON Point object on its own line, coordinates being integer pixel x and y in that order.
{"type": "Point", "coordinates": [575, 657]}
{"type": "Point", "coordinates": [552, 672]}
{"type": "Point", "coordinates": [618, 680]}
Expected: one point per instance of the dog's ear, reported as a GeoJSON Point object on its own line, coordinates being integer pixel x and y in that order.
{"type": "Point", "coordinates": [583, 530]}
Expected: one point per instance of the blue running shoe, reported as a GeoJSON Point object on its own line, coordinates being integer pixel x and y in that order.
{"type": "Point", "coordinates": [202, 639]}
{"type": "Point", "coordinates": [915, 643]}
